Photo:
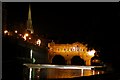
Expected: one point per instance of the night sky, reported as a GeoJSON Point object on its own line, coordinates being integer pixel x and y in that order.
{"type": "Point", "coordinates": [96, 24]}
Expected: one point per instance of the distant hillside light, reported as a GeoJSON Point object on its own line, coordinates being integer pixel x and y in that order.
{"type": "Point", "coordinates": [16, 31]}
{"type": "Point", "coordinates": [6, 31]}
{"type": "Point", "coordinates": [91, 53]}
{"type": "Point", "coordinates": [38, 42]}
{"type": "Point", "coordinates": [26, 35]}
{"type": "Point", "coordinates": [29, 37]}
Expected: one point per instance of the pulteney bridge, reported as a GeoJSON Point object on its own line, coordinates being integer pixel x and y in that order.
{"type": "Point", "coordinates": [69, 53]}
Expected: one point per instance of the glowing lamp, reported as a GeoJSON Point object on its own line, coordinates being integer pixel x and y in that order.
{"type": "Point", "coordinates": [15, 31]}
{"type": "Point", "coordinates": [5, 31]}
{"type": "Point", "coordinates": [26, 34]}
{"type": "Point", "coordinates": [91, 53]}
{"type": "Point", "coordinates": [29, 37]}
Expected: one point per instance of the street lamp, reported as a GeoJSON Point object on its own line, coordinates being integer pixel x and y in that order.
{"type": "Point", "coordinates": [30, 38]}
{"type": "Point", "coordinates": [31, 54]}
{"type": "Point", "coordinates": [26, 35]}
{"type": "Point", "coordinates": [91, 53]}
{"type": "Point", "coordinates": [16, 31]}
{"type": "Point", "coordinates": [6, 31]}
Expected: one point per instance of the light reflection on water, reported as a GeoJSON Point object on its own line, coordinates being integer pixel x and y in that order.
{"type": "Point", "coordinates": [61, 73]}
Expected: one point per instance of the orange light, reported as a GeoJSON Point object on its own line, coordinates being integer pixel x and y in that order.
{"type": "Point", "coordinates": [26, 35]}
{"type": "Point", "coordinates": [98, 72]}
{"type": "Point", "coordinates": [15, 31]}
{"type": "Point", "coordinates": [5, 31]}
{"type": "Point", "coordinates": [29, 37]}
{"type": "Point", "coordinates": [38, 42]}
{"type": "Point", "coordinates": [20, 34]}
{"type": "Point", "coordinates": [91, 53]}
{"type": "Point", "coordinates": [73, 48]}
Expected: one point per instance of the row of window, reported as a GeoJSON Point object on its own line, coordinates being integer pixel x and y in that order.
{"type": "Point", "coordinates": [58, 49]}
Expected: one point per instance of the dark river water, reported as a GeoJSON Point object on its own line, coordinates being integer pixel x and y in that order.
{"type": "Point", "coordinates": [37, 73]}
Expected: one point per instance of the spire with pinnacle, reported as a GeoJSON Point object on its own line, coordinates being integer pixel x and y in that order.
{"type": "Point", "coordinates": [29, 21]}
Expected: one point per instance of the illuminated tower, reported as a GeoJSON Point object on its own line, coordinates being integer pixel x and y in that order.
{"type": "Point", "coordinates": [29, 22]}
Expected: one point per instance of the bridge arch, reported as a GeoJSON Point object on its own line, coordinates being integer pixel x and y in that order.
{"type": "Point", "coordinates": [58, 59]}
{"type": "Point", "coordinates": [77, 60]}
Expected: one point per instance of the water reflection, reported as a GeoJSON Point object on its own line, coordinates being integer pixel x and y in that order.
{"type": "Point", "coordinates": [50, 73]}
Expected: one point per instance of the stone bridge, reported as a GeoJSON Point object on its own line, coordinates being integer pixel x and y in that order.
{"type": "Point", "coordinates": [68, 52]}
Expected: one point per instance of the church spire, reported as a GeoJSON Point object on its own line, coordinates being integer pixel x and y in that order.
{"type": "Point", "coordinates": [29, 13]}
{"type": "Point", "coordinates": [29, 21]}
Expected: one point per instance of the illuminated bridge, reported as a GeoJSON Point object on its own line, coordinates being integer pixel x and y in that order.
{"type": "Point", "coordinates": [71, 53]}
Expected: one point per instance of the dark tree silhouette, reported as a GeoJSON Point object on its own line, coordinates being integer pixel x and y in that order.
{"type": "Point", "coordinates": [96, 61]}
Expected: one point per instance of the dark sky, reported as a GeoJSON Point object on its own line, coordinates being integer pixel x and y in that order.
{"type": "Point", "coordinates": [96, 24]}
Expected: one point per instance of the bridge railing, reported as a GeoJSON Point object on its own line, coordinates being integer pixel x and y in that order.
{"type": "Point", "coordinates": [49, 66]}
{"type": "Point", "coordinates": [61, 66]}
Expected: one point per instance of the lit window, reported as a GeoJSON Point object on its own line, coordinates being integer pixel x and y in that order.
{"type": "Point", "coordinates": [81, 49]}
{"type": "Point", "coordinates": [64, 49]}
{"type": "Point", "coordinates": [77, 49]}
{"type": "Point", "coordinates": [67, 49]}
{"type": "Point", "coordinates": [71, 49]}
{"type": "Point", "coordinates": [51, 49]}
